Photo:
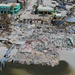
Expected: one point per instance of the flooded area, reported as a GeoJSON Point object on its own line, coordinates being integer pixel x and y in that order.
{"type": "Point", "coordinates": [18, 69]}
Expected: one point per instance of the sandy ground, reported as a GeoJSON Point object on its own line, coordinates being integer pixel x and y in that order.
{"type": "Point", "coordinates": [2, 52]}
{"type": "Point", "coordinates": [68, 56]}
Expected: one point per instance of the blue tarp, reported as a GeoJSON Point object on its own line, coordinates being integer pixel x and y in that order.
{"type": "Point", "coordinates": [5, 59]}
{"type": "Point", "coordinates": [71, 19]}
{"type": "Point", "coordinates": [59, 22]}
{"type": "Point", "coordinates": [9, 50]}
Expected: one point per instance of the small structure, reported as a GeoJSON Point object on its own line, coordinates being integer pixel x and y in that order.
{"type": "Point", "coordinates": [45, 9]}
{"type": "Point", "coordinates": [57, 19]}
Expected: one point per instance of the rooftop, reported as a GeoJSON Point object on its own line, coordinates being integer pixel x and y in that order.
{"type": "Point", "coordinates": [8, 4]}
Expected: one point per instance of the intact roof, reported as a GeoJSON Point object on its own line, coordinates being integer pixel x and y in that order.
{"type": "Point", "coordinates": [44, 8]}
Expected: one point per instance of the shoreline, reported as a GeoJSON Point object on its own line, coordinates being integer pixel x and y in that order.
{"type": "Point", "coordinates": [64, 68]}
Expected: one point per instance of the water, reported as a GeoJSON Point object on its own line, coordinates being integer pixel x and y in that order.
{"type": "Point", "coordinates": [18, 69]}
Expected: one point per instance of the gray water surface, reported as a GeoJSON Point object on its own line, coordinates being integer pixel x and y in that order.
{"type": "Point", "coordinates": [18, 69]}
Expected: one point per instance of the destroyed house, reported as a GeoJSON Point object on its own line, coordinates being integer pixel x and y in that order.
{"type": "Point", "coordinates": [10, 8]}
